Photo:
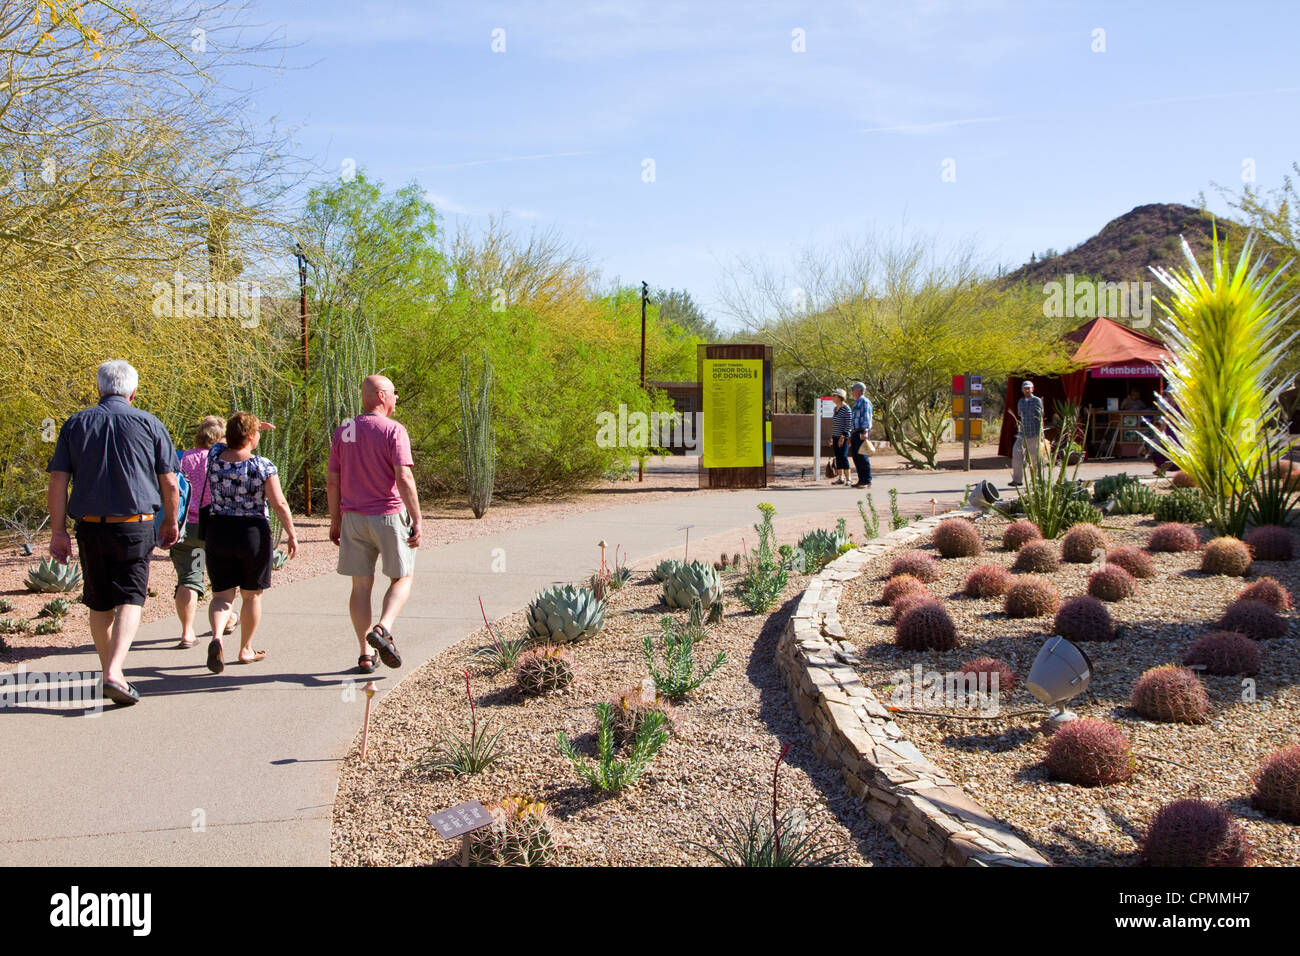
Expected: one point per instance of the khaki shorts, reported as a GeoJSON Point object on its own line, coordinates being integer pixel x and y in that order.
{"type": "Point", "coordinates": [366, 537]}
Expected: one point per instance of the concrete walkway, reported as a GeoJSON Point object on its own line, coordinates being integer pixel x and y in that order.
{"type": "Point", "coordinates": [241, 768]}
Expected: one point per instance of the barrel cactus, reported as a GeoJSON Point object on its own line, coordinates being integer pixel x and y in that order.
{"type": "Point", "coordinates": [1226, 556]}
{"type": "Point", "coordinates": [1090, 753]}
{"type": "Point", "coordinates": [1268, 590]}
{"type": "Point", "coordinates": [957, 538]}
{"type": "Point", "coordinates": [544, 670]}
{"type": "Point", "coordinates": [49, 576]}
{"type": "Point", "coordinates": [1018, 533]}
{"type": "Point", "coordinates": [692, 582]}
{"type": "Point", "coordinates": [1277, 785]}
{"type": "Point", "coordinates": [1194, 833]}
{"type": "Point", "coordinates": [522, 833]}
{"type": "Point", "coordinates": [664, 570]}
{"type": "Point", "coordinates": [561, 615]}
{"type": "Point", "coordinates": [1224, 652]}
{"type": "Point", "coordinates": [1171, 694]}
{"type": "Point", "coordinates": [926, 626]}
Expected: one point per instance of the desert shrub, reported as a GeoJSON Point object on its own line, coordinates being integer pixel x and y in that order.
{"type": "Point", "coordinates": [1255, 619]}
{"type": "Point", "coordinates": [610, 773]}
{"type": "Point", "coordinates": [1181, 479]}
{"type": "Point", "coordinates": [1090, 753]}
{"type": "Point", "coordinates": [1171, 694]}
{"type": "Point", "coordinates": [1269, 591]}
{"type": "Point", "coordinates": [1084, 618]}
{"type": "Point", "coordinates": [1007, 678]}
{"type": "Point", "coordinates": [629, 710]}
{"type": "Point", "coordinates": [1031, 597]}
{"type": "Point", "coordinates": [957, 538]}
{"type": "Point", "coordinates": [1173, 536]}
{"type": "Point", "coordinates": [1019, 532]}
{"type": "Point", "coordinates": [1082, 542]}
{"type": "Point", "coordinates": [678, 677]}
{"type": "Point", "coordinates": [1133, 560]}
{"type": "Point", "coordinates": [1227, 556]}
{"type": "Point", "coordinates": [1037, 557]}
{"type": "Point", "coordinates": [906, 602]}
{"type": "Point", "coordinates": [1277, 785]}
{"type": "Point", "coordinates": [987, 580]}
{"type": "Point", "coordinates": [926, 627]}
{"type": "Point", "coordinates": [1135, 499]}
{"type": "Point", "coordinates": [916, 563]}
{"type": "Point", "coordinates": [1271, 543]}
{"type": "Point", "coordinates": [1194, 833]}
{"type": "Point", "coordinates": [1111, 583]}
{"type": "Point", "coordinates": [1186, 506]}
{"type": "Point", "coordinates": [1224, 652]}
{"type": "Point", "coordinates": [899, 585]}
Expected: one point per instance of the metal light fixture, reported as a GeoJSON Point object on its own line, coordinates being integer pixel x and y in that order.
{"type": "Point", "coordinates": [1061, 672]}
{"type": "Point", "coordinates": [984, 494]}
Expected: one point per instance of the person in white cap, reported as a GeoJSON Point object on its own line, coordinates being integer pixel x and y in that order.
{"type": "Point", "coordinates": [1029, 411]}
{"type": "Point", "coordinates": [841, 425]}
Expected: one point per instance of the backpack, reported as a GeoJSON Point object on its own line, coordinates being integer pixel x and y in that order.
{"type": "Point", "coordinates": [182, 509]}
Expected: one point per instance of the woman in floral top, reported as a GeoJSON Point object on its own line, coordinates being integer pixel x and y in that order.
{"type": "Point", "coordinates": [238, 544]}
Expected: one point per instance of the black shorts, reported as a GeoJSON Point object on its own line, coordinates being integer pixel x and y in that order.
{"type": "Point", "coordinates": [842, 453]}
{"type": "Point", "coordinates": [239, 552]}
{"type": "Point", "coordinates": [114, 562]}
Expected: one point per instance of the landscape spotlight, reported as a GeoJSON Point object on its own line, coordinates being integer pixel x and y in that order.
{"type": "Point", "coordinates": [984, 494]}
{"type": "Point", "coordinates": [1061, 672]}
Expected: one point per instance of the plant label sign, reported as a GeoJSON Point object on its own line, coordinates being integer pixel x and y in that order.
{"type": "Point", "coordinates": [460, 819]}
{"type": "Point", "coordinates": [977, 383]}
{"type": "Point", "coordinates": [976, 406]}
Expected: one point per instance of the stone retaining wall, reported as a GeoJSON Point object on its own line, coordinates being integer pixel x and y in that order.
{"type": "Point", "coordinates": [932, 818]}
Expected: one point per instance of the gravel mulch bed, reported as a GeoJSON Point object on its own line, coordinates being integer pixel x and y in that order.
{"type": "Point", "coordinates": [717, 765]}
{"type": "Point", "coordinates": [998, 761]}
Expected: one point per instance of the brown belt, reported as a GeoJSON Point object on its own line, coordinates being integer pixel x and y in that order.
{"type": "Point", "coordinates": [115, 519]}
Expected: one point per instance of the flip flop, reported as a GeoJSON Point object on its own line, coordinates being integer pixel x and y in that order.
{"type": "Point", "coordinates": [231, 623]}
{"type": "Point", "coordinates": [381, 639]}
{"type": "Point", "coordinates": [216, 663]}
{"type": "Point", "coordinates": [257, 656]}
{"type": "Point", "coordinates": [126, 696]}
{"type": "Point", "coordinates": [186, 644]}
{"type": "Point", "coordinates": [366, 663]}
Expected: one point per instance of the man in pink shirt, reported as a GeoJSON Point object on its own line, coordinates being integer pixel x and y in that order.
{"type": "Point", "coordinates": [374, 513]}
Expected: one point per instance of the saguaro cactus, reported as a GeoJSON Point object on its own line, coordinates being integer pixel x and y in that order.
{"type": "Point", "coordinates": [477, 437]}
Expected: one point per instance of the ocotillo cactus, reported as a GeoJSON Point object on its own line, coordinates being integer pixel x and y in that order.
{"type": "Point", "coordinates": [477, 437]}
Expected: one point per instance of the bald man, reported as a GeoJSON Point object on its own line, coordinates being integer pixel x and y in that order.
{"type": "Point", "coordinates": [374, 514]}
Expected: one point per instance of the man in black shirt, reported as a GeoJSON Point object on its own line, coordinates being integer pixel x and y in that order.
{"type": "Point", "coordinates": [121, 464]}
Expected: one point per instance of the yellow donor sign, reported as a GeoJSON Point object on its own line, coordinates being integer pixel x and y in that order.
{"type": "Point", "coordinates": [733, 413]}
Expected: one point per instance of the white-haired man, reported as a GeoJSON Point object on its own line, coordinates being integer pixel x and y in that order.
{"type": "Point", "coordinates": [860, 419]}
{"type": "Point", "coordinates": [121, 465]}
{"type": "Point", "coordinates": [1029, 410]}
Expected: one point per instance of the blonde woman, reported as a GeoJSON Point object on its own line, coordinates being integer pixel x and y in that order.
{"type": "Point", "coordinates": [238, 544]}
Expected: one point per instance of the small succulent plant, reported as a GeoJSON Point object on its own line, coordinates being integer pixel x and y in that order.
{"type": "Point", "coordinates": [1171, 694]}
{"type": "Point", "coordinates": [1255, 619]}
{"type": "Point", "coordinates": [13, 625]}
{"type": "Point", "coordinates": [1271, 543]}
{"type": "Point", "coordinates": [916, 563]}
{"type": "Point", "coordinates": [926, 626]}
{"type": "Point", "coordinates": [1173, 537]}
{"type": "Point", "coordinates": [522, 833]}
{"type": "Point", "coordinates": [1194, 833]}
{"type": "Point", "coordinates": [1031, 597]}
{"type": "Point", "coordinates": [1018, 533]}
{"type": "Point", "coordinates": [1268, 590]}
{"type": "Point", "coordinates": [1277, 785]}
{"type": "Point", "coordinates": [57, 607]}
{"type": "Point", "coordinates": [1187, 505]}
{"type": "Point", "coordinates": [544, 670]}
{"type": "Point", "coordinates": [690, 583]}
{"type": "Point", "coordinates": [1181, 479]}
{"type": "Point", "coordinates": [1082, 543]}
{"type": "Point", "coordinates": [1037, 557]}
{"type": "Point", "coordinates": [899, 585]}
{"type": "Point", "coordinates": [6, 605]}
{"type": "Point", "coordinates": [565, 614]}
{"type": "Point", "coordinates": [1133, 560]}
{"type": "Point", "coordinates": [664, 570]}
{"type": "Point", "coordinates": [1084, 618]}
{"type": "Point", "coordinates": [957, 538]}
{"type": "Point", "coordinates": [50, 576]}
{"type": "Point", "coordinates": [1111, 583]}
{"type": "Point", "coordinates": [1224, 653]}
{"type": "Point", "coordinates": [1226, 556]}
{"type": "Point", "coordinates": [1089, 752]}
{"type": "Point", "coordinates": [51, 625]}
{"type": "Point", "coordinates": [986, 581]}
{"type": "Point", "coordinates": [990, 667]}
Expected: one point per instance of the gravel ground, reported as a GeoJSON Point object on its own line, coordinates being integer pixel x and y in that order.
{"type": "Point", "coordinates": [998, 761]}
{"type": "Point", "coordinates": [718, 764]}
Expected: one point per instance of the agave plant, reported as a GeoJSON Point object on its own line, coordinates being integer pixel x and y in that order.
{"type": "Point", "coordinates": [1226, 337]}
{"type": "Point", "coordinates": [561, 615]}
{"type": "Point", "coordinates": [820, 545]}
{"type": "Point", "coordinates": [49, 576]}
{"type": "Point", "coordinates": [664, 570]}
{"type": "Point", "coordinates": [693, 582]}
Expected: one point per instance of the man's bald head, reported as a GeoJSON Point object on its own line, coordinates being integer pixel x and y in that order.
{"type": "Point", "coordinates": [377, 392]}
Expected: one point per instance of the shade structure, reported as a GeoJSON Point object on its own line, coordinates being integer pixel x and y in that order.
{"type": "Point", "coordinates": [1107, 349]}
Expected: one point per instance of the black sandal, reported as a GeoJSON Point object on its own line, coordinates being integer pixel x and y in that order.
{"type": "Point", "coordinates": [216, 661]}
{"type": "Point", "coordinates": [381, 639]}
{"type": "Point", "coordinates": [366, 663]}
{"type": "Point", "coordinates": [123, 694]}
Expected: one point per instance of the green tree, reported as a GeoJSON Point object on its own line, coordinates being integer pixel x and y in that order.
{"type": "Point", "coordinates": [679, 308]}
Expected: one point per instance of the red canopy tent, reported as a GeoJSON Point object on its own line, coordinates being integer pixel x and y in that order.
{"type": "Point", "coordinates": [1111, 352]}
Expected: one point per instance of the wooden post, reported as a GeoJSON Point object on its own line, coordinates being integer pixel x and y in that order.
{"type": "Point", "coordinates": [966, 426]}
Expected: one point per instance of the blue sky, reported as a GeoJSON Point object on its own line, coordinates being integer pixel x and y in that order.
{"type": "Point", "coordinates": [760, 150]}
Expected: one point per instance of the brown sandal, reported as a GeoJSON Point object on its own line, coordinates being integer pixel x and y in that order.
{"type": "Point", "coordinates": [366, 663]}
{"type": "Point", "coordinates": [257, 656]}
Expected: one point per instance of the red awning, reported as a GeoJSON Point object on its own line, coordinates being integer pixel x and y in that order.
{"type": "Point", "coordinates": [1104, 342]}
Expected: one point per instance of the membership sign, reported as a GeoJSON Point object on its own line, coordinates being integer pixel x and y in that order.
{"type": "Point", "coordinates": [733, 413]}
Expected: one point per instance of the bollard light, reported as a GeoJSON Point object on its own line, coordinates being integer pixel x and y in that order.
{"type": "Point", "coordinates": [369, 690]}
{"type": "Point", "coordinates": [1061, 672]}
